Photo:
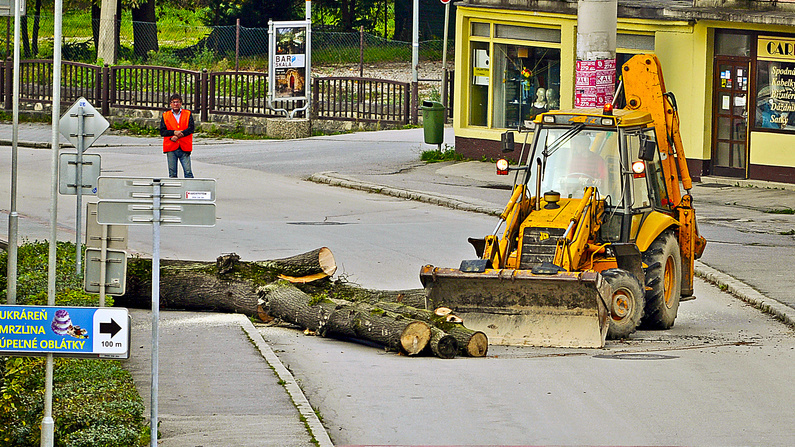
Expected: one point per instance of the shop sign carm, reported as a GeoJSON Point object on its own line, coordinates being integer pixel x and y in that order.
{"type": "Point", "coordinates": [775, 49]}
{"type": "Point", "coordinates": [89, 332]}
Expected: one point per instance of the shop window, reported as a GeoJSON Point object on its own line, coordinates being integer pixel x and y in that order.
{"type": "Point", "coordinates": [731, 44]}
{"type": "Point", "coordinates": [480, 29]}
{"type": "Point", "coordinates": [527, 33]}
{"type": "Point", "coordinates": [479, 86]}
{"type": "Point", "coordinates": [775, 95]}
{"type": "Point", "coordinates": [529, 83]}
{"type": "Point", "coordinates": [639, 42]}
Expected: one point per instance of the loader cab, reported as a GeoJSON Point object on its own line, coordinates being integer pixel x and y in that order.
{"type": "Point", "coordinates": [623, 163]}
{"type": "Point", "coordinates": [643, 187]}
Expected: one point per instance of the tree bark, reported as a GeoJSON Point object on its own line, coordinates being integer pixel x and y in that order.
{"type": "Point", "coordinates": [443, 345]}
{"type": "Point", "coordinates": [470, 343]}
{"type": "Point", "coordinates": [144, 28]}
{"type": "Point", "coordinates": [409, 297]}
{"type": "Point", "coordinates": [315, 262]}
{"type": "Point", "coordinates": [342, 318]}
{"type": "Point", "coordinates": [228, 285]}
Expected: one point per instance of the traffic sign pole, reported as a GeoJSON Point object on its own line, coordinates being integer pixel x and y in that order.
{"type": "Point", "coordinates": [155, 308]}
{"type": "Point", "coordinates": [444, 45]}
{"type": "Point", "coordinates": [79, 187]}
{"type": "Point", "coordinates": [135, 201]}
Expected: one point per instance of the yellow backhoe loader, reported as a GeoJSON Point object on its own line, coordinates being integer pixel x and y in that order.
{"type": "Point", "coordinates": [597, 237]}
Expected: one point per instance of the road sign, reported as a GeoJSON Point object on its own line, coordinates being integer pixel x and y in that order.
{"type": "Point", "coordinates": [94, 124]}
{"type": "Point", "coordinates": [126, 188]}
{"type": "Point", "coordinates": [90, 332]}
{"type": "Point", "coordinates": [444, 2]}
{"type": "Point", "coordinates": [116, 234]}
{"type": "Point", "coordinates": [67, 173]}
{"type": "Point", "coordinates": [128, 212]}
{"type": "Point", "coordinates": [115, 271]}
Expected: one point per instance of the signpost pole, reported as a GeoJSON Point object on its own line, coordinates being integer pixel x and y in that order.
{"type": "Point", "coordinates": [155, 306]}
{"type": "Point", "coordinates": [79, 192]}
{"type": "Point", "coordinates": [13, 215]}
{"type": "Point", "coordinates": [444, 44]}
{"type": "Point", "coordinates": [47, 422]}
{"type": "Point", "coordinates": [103, 265]}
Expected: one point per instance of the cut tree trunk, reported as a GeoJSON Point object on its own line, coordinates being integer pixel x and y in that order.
{"type": "Point", "coordinates": [443, 345]}
{"type": "Point", "coordinates": [409, 297]}
{"type": "Point", "coordinates": [343, 318]}
{"type": "Point", "coordinates": [310, 264]}
{"type": "Point", "coordinates": [227, 285]}
{"type": "Point", "coordinates": [470, 343]}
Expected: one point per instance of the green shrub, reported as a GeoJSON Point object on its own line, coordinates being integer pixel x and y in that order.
{"type": "Point", "coordinates": [94, 401]}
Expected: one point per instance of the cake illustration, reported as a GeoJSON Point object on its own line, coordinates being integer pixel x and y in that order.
{"type": "Point", "coordinates": [61, 323]}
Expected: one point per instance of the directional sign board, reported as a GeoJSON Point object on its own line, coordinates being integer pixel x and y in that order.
{"type": "Point", "coordinates": [133, 188]}
{"type": "Point", "coordinates": [67, 173]}
{"type": "Point", "coordinates": [117, 212]}
{"type": "Point", "coordinates": [90, 332]}
{"type": "Point", "coordinates": [116, 234]}
{"type": "Point", "coordinates": [94, 124]}
{"type": "Point", "coordinates": [130, 201]}
{"type": "Point", "coordinates": [115, 271]}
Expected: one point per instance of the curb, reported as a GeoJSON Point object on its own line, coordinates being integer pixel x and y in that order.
{"type": "Point", "coordinates": [730, 284]}
{"type": "Point", "coordinates": [334, 179]}
{"type": "Point", "coordinates": [316, 429]}
{"type": "Point", "coordinates": [745, 293]}
{"type": "Point", "coordinates": [48, 144]}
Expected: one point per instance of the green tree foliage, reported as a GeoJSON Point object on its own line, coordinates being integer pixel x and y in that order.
{"type": "Point", "coordinates": [252, 13]}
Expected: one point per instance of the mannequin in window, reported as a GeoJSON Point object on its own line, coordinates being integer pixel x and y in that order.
{"type": "Point", "coordinates": [540, 104]}
{"type": "Point", "coordinates": [553, 103]}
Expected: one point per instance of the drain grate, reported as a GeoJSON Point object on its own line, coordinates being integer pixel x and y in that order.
{"type": "Point", "coordinates": [636, 356]}
{"type": "Point", "coordinates": [325, 222]}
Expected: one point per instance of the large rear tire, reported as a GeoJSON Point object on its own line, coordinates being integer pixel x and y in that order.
{"type": "Point", "coordinates": [626, 303]}
{"type": "Point", "coordinates": [663, 281]}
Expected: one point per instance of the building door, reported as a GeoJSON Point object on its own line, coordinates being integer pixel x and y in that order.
{"type": "Point", "coordinates": [730, 117]}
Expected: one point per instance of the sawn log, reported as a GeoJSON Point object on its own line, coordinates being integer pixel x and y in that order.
{"type": "Point", "coordinates": [329, 317]}
{"type": "Point", "coordinates": [226, 285]}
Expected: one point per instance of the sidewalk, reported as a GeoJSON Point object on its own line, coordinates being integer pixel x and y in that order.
{"type": "Point", "coordinates": [220, 384]}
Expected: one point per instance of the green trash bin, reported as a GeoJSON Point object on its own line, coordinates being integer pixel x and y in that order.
{"type": "Point", "coordinates": [433, 122]}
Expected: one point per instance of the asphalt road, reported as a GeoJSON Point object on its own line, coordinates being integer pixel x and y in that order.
{"type": "Point", "coordinates": [719, 377]}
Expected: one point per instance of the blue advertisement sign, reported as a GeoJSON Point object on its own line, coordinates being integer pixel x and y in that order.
{"type": "Point", "coordinates": [65, 331]}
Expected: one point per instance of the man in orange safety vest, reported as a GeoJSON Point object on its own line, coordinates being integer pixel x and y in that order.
{"type": "Point", "coordinates": [176, 128]}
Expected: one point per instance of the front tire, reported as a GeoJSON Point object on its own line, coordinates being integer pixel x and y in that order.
{"type": "Point", "coordinates": [663, 281]}
{"type": "Point", "coordinates": [626, 303]}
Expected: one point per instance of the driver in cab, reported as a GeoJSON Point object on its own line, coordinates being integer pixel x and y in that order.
{"type": "Point", "coordinates": [586, 168]}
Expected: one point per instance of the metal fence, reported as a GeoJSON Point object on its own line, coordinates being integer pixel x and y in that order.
{"type": "Point", "coordinates": [361, 99]}
{"type": "Point", "coordinates": [208, 93]}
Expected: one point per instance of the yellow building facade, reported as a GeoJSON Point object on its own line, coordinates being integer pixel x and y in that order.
{"type": "Point", "coordinates": [732, 73]}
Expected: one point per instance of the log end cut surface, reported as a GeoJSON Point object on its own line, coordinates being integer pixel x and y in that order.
{"type": "Point", "coordinates": [415, 337]}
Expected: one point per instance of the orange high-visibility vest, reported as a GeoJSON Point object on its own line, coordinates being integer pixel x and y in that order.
{"type": "Point", "coordinates": [184, 143]}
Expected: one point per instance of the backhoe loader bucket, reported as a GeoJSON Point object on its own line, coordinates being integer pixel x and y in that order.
{"type": "Point", "coordinates": [519, 308]}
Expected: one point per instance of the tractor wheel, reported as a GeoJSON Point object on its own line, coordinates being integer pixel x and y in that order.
{"type": "Point", "coordinates": [626, 303]}
{"type": "Point", "coordinates": [663, 281]}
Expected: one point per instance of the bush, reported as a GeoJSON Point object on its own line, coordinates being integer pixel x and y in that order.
{"type": "Point", "coordinates": [94, 401]}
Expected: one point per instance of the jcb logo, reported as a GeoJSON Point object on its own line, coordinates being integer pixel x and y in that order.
{"type": "Point", "coordinates": [543, 236]}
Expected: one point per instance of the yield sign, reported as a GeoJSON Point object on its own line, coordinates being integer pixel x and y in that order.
{"type": "Point", "coordinates": [94, 124]}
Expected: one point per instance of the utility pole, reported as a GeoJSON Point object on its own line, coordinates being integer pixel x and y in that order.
{"type": "Point", "coordinates": [596, 52]}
